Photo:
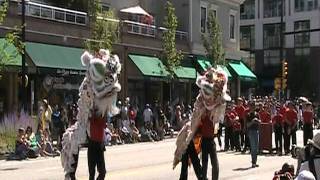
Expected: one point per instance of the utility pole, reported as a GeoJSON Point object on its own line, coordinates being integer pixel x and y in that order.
{"type": "Point", "coordinates": [281, 44]}
{"type": "Point", "coordinates": [23, 56]}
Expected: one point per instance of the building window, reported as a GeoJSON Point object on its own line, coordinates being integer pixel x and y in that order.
{"type": "Point", "coordinates": [272, 8]}
{"type": "Point", "coordinates": [305, 5]}
{"type": "Point", "coordinates": [302, 39]}
{"type": "Point", "coordinates": [247, 10]}
{"type": "Point", "coordinates": [247, 38]}
{"type": "Point", "coordinates": [271, 57]}
{"type": "Point", "coordinates": [232, 27]}
{"type": "Point", "coordinates": [214, 12]}
{"type": "Point", "coordinates": [203, 19]}
{"type": "Point", "coordinates": [105, 7]}
{"type": "Point", "coordinates": [271, 35]}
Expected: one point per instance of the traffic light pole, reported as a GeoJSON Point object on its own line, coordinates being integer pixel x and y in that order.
{"type": "Point", "coordinates": [281, 45]}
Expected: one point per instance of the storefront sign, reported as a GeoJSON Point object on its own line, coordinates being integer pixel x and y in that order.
{"type": "Point", "coordinates": [64, 72]}
{"type": "Point", "coordinates": [58, 83]}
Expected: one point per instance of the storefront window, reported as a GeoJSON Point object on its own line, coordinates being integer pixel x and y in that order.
{"type": "Point", "coordinates": [247, 10]}
{"type": "Point", "coordinates": [302, 39]}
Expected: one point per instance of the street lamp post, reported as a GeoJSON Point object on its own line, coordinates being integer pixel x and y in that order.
{"type": "Point", "coordinates": [23, 56]}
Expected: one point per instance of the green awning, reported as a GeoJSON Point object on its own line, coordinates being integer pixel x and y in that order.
{"type": "Point", "coordinates": [242, 71]}
{"type": "Point", "coordinates": [53, 56]}
{"type": "Point", "coordinates": [185, 72]}
{"type": "Point", "coordinates": [149, 66]}
{"type": "Point", "coordinates": [203, 62]}
{"type": "Point", "coordinates": [9, 54]}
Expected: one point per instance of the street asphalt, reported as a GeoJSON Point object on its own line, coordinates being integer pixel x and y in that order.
{"type": "Point", "coordinates": [145, 161]}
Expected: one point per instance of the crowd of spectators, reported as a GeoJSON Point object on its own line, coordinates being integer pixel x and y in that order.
{"type": "Point", "coordinates": [31, 144]}
{"type": "Point", "coordinates": [131, 125]}
{"type": "Point", "coordinates": [152, 123]}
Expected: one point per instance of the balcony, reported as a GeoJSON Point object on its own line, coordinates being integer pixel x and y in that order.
{"type": "Point", "coordinates": [140, 28]}
{"type": "Point", "coordinates": [143, 29]}
{"type": "Point", "coordinates": [54, 13]}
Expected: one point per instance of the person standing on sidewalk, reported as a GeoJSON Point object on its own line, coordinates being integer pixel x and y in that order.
{"type": "Point", "coordinates": [253, 123]}
{"type": "Point", "coordinates": [277, 122]}
{"type": "Point", "coordinates": [307, 119]}
{"type": "Point", "coordinates": [46, 115]}
{"type": "Point", "coordinates": [290, 127]}
{"type": "Point", "coordinates": [229, 118]}
{"type": "Point", "coordinates": [240, 110]}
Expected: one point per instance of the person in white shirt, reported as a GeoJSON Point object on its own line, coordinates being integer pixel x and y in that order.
{"type": "Point", "coordinates": [313, 164]}
{"type": "Point", "coordinates": [147, 116]}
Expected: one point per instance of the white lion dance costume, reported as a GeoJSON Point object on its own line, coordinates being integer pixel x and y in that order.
{"type": "Point", "coordinates": [212, 96]}
{"type": "Point", "coordinates": [98, 90]}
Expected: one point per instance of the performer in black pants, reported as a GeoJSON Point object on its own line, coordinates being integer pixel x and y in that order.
{"type": "Point", "coordinates": [72, 175]}
{"type": "Point", "coordinates": [192, 154]}
{"type": "Point", "coordinates": [96, 147]}
{"type": "Point", "coordinates": [208, 147]}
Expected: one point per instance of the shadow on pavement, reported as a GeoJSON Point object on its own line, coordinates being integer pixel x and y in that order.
{"type": "Point", "coordinates": [9, 169]}
{"type": "Point", "coordinates": [242, 169]}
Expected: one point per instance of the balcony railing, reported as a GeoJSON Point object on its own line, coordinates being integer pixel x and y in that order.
{"type": "Point", "coordinates": [150, 30]}
{"type": "Point", "coordinates": [140, 28]}
{"type": "Point", "coordinates": [54, 13]}
{"type": "Point", "coordinates": [180, 35]}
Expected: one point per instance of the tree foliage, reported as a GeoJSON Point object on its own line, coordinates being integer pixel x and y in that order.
{"type": "Point", "coordinates": [212, 41]}
{"type": "Point", "coordinates": [105, 30]}
{"type": "Point", "coordinates": [171, 56]}
{"type": "Point", "coordinates": [7, 51]}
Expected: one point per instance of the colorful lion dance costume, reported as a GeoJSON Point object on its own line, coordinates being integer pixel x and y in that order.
{"type": "Point", "coordinates": [212, 96]}
{"type": "Point", "coordinates": [98, 91]}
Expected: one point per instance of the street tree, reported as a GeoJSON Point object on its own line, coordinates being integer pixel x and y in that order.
{"type": "Point", "coordinates": [8, 54]}
{"type": "Point", "coordinates": [212, 41]}
{"type": "Point", "coordinates": [104, 28]}
{"type": "Point", "coordinates": [171, 56]}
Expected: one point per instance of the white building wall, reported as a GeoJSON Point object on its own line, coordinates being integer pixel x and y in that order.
{"type": "Point", "coordinates": [224, 9]}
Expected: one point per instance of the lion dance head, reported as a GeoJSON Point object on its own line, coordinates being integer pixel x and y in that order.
{"type": "Point", "coordinates": [102, 73]}
{"type": "Point", "coordinates": [98, 91]}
